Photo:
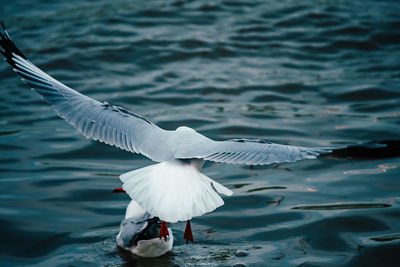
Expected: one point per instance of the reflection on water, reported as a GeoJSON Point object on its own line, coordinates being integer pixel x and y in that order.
{"type": "Point", "coordinates": [310, 73]}
{"type": "Point", "coordinates": [343, 206]}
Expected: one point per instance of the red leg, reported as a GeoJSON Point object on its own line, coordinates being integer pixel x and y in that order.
{"type": "Point", "coordinates": [163, 231]}
{"type": "Point", "coordinates": [188, 236]}
{"type": "Point", "coordinates": [119, 190]}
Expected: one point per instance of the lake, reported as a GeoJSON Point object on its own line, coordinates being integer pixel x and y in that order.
{"type": "Point", "coordinates": [309, 73]}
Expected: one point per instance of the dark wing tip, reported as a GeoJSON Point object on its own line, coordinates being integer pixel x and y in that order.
{"type": "Point", "coordinates": [8, 47]}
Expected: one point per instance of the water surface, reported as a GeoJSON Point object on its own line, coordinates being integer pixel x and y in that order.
{"type": "Point", "coordinates": [311, 73]}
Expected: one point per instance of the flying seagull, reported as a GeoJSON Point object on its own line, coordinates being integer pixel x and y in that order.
{"type": "Point", "coordinates": [174, 189]}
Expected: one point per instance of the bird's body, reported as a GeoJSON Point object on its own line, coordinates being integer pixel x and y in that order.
{"type": "Point", "coordinates": [173, 189]}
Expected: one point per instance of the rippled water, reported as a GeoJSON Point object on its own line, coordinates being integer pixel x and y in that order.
{"type": "Point", "coordinates": [297, 72]}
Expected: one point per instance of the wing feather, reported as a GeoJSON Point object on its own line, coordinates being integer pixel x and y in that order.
{"type": "Point", "coordinates": [114, 125]}
{"type": "Point", "coordinates": [107, 123]}
{"type": "Point", "coordinates": [239, 151]}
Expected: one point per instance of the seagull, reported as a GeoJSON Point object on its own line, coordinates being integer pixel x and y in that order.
{"type": "Point", "coordinates": [173, 189]}
{"type": "Point", "coordinates": [139, 233]}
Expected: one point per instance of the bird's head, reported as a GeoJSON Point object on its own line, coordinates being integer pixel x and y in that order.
{"type": "Point", "coordinates": [139, 233]}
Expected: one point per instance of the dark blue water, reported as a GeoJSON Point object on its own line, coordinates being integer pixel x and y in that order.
{"type": "Point", "coordinates": [312, 73]}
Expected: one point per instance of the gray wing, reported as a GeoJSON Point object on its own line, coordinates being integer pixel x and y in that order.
{"type": "Point", "coordinates": [116, 126]}
{"type": "Point", "coordinates": [110, 124]}
{"type": "Point", "coordinates": [240, 151]}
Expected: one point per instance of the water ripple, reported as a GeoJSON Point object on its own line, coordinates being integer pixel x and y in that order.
{"type": "Point", "coordinates": [310, 73]}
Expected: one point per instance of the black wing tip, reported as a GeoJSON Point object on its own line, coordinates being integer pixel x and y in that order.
{"type": "Point", "coordinates": [3, 31]}
{"type": "Point", "coordinates": [8, 48]}
{"type": "Point", "coordinates": [371, 150]}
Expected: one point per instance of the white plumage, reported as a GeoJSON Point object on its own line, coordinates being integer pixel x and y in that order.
{"type": "Point", "coordinates": [174, 189]}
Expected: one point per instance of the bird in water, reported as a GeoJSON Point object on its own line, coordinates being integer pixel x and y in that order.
{"type": "Point", "coordinates": [174, 189]}
{"type": "Point", "coordinates": [139, 233]}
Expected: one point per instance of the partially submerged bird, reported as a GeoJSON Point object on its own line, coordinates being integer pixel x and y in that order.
{"type": "Point", "coordinates": [139, 233]}
{"type": "Point", "coordinates": [174, 189]}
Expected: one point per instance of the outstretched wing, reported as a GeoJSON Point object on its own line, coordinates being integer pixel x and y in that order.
{"type": "Point", "coordinates": [110, 124]}
{"type": "Point", "coordinates": [239, 151]}
{"type": "Point", "coordinates": [116, 126]}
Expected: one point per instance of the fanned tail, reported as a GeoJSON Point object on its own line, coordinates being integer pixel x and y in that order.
{"type": "Point", "coordinates": [173, 191]}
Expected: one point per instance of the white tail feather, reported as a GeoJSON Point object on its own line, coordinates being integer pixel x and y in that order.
{"type": "Point", "coordinates": [173, 191]}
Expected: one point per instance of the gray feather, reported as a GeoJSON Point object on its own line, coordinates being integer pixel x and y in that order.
{"type": "Point", "coordinates": [117, 126]}
{"type": "Point", "coordinates": [240, 151]}
{"type": "Point", "coordinates": [107, 123]}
